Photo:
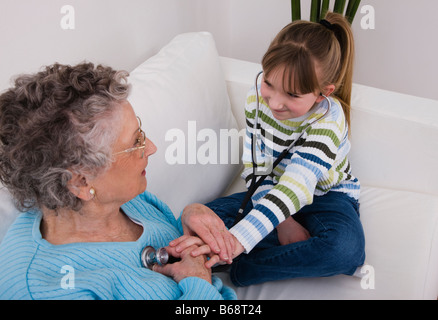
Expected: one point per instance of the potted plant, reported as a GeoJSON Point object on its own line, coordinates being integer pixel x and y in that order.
{"type": "Point", "coordinates": [319, 8]}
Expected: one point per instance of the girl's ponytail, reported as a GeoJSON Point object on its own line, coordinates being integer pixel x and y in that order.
{"type": "Point", "coordinates": [344, 79]}
{"type": "Point", "coordinates": [303, 46]}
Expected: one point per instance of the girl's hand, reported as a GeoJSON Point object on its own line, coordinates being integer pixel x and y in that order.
{"type": "Point", "coordinates": [199, 220]}
{"type": "Point", "coordinates": [188, 266]}
{"type": "Point", "coordinates": [186, 241]}
{"type": "Point", "coordinates": [290, 231]}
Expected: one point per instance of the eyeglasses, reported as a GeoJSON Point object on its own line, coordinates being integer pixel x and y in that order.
{"type": "Point", "coordinates": [140, 143]}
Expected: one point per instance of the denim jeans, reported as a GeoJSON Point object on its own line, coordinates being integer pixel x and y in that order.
{"type": "Point", "coordinates": [336, 245]}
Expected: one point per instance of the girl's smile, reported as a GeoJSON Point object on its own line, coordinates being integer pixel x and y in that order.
{"type": "Point", "coordinates": [285, 104]}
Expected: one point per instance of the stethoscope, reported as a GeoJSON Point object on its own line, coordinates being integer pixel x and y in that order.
{"type": "Point", "coordinates": [151, 256]}
{"type": "Point", "coordinates": [262, 174]}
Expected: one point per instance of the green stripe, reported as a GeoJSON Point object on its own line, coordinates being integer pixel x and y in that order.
{"type": "Point", "coordinates": [290, 194]}
{"type": "Point", "coordinates": [297, 124]}
{"type": "Point", "coordinates": [326, 132]}
{"type": "Point", "coordinates": [301, 186]}
{"type": "Point", "coordinates": [272, 122]}
{"type": "Point", "coordinates": [338, 168]}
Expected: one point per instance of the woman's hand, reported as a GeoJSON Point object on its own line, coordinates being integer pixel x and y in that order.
{"type": "Point", "coordinates": [182, 243]}
{"type": "Point", "coordinates": [290, 231]}
{"type": "Point", "coordinates": [199, 220]}
{"type": "Point", "coordinates": [188, 266]}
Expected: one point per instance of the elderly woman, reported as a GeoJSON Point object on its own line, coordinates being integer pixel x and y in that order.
{"type": "Point", "coordinates": [74, 157]}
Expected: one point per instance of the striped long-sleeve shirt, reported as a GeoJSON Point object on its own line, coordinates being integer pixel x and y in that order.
{"type": "Point", "coordinates": [32, 268]}
{"type": "Point", "coordinates": [316, 164]}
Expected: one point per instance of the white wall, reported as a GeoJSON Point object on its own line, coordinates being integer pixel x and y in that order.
{"type": "Point", "coordinates": [398, 55]}
{"type": "Point", "coordinates": [401, 53]}
{"type": "Point", "coordinates": [119, 33]}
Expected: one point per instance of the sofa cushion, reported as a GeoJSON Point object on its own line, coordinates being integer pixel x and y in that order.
{"type": "Point", "coordinates": [181, 97]}
{"type": "Point", "coordinates": [393, 142]}
{"type": "Point", "coordinates": [8, 212]}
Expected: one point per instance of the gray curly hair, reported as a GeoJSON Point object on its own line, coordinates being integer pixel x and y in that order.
{"type": "Point", "coordinates": [56, 122]}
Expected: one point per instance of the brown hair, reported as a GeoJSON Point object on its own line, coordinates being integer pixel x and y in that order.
{"type": "Point", "coordinates": [56, 122]}
{"type": "Point", "coordinates": [303, 46]}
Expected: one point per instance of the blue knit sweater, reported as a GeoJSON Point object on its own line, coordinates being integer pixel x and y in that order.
{"type": "Point", "coordinates": [32, 268]}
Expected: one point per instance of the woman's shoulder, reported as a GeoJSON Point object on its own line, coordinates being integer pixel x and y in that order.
{"type": "Point", "coordinates": [20, 230]}
{"type": "Point", "coordinates": [146, 205]}
{"type": "Point", "coordinates": [147, 199]}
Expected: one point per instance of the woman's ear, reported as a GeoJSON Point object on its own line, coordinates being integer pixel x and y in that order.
{"type": "Point", "coordinates": [79, 186]}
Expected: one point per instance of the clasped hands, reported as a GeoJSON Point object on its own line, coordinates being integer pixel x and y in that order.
{"type": "Point", "coordinates": [204, 229]}
{"type": "Point", "coordinates": [205, 235]}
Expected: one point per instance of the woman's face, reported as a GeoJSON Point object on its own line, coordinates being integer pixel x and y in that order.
{"type": "Point", "coordinates": [126, 178]}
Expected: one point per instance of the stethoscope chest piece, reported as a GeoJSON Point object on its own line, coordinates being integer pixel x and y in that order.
{"type": "Point", "coordinates": [150, 256]}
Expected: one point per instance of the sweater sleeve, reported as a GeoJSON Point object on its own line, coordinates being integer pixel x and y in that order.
{"type": "Point", "coordinates": [198, 289]}
{"type": "Point", "coordinates": [296, 186]}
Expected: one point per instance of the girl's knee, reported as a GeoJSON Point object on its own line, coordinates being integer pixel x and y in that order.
{"type": "Point", "coordinates": [345, 251]}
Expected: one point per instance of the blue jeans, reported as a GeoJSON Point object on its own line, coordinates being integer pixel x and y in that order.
{"type": "Point", "coordinates": [336, 245]}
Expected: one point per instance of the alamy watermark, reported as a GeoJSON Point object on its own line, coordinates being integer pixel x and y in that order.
{"type": "Point", "coordinates": [205, 146]}
{"type": "Point", "coordinates": [68, 19]}
{"type": "Point", "coordinates": [368, 277]}
{"type": "Point", "coordinates": [223, 146]}
{"type": "Point", "coordinates": [368, 20]}
{"type": "Point", "coordinates": [68, 281]}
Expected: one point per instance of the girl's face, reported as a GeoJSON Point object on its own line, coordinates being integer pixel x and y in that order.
{"type": "Point", "coordinates": [286, 105]}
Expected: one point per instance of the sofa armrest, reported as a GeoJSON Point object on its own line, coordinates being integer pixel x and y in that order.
{"type": "Point", "coordinates": [240, 77]}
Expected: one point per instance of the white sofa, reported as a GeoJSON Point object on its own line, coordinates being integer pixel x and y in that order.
{"type": "Point", "coordinates": [189, 98]}
{"type": "Point", "coordinates": [394, 154]}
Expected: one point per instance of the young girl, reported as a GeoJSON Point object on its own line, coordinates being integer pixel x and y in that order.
{"type": "Point", "coordinates": [303, 220]}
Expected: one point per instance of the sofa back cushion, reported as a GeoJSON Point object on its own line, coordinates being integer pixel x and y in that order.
{"type": "Point", "coordinates": [181, 97]}
{"type": "Point", "coordinates": [394, 140]}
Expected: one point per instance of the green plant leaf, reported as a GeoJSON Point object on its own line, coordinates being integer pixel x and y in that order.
{"type": "Point", "coordinates": [352, 7]}
{"type": "Point", "coordinates": [324, 8]}
{"type": "Point", "coordinates": [315, 10]}
{"type": "Point", "coordinates": [296, 9]}
{"type": "Point", "coordinates": [339, 6]}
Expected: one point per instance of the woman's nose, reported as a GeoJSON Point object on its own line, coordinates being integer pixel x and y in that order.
{"type": "Point", "coordinates": [151, 148]}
